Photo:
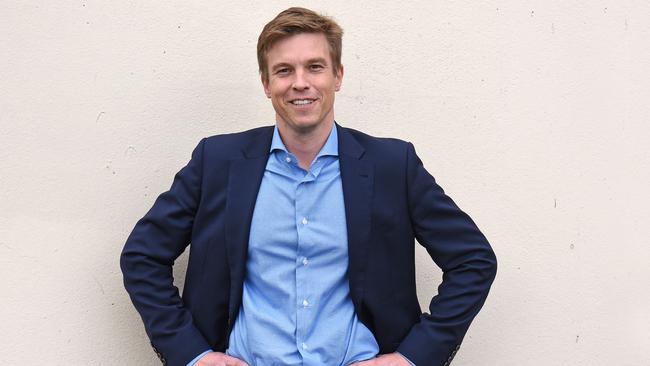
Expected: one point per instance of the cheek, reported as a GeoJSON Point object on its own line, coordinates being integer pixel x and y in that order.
{"type": "Point", "coordinates": [278, 106]}
{"type": "Point", "coordinates": [276, 103]}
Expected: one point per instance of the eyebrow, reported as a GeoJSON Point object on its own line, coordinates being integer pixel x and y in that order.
{"type": "Point", "coordinates": [317, 60]}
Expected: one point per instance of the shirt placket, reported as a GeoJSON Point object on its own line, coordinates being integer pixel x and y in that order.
{"type": "Point", "coordinates": [304, 297]}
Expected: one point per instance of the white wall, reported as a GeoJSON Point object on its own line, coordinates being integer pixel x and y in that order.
{"type": "Point", "coordinates": [532, 114]}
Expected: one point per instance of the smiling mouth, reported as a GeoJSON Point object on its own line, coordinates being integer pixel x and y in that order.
{"type": "Point", "coordinates": [302, 101]}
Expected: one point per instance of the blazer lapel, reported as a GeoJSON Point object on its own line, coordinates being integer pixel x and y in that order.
{"type": "Point", "coordinates": [245, 177]}
{"type": "Point", "coordinates": [357, 180]}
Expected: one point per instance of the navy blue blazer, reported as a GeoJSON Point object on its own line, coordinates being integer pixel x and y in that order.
{"type": "Point", "coordinates": [390, 200]}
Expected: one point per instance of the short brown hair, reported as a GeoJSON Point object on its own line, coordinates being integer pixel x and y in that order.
{"type": "Point", "coordinates": [295, 21]}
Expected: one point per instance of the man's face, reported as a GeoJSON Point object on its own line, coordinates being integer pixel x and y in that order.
{"type": "Point", "coordinates": [302, 82]}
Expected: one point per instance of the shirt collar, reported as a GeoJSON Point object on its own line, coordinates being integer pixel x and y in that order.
{"type": "Point", "coordinates": [331, 146]}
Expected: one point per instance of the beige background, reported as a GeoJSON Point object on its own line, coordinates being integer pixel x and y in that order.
{"type": "Point", "coordinates": [532, 114]}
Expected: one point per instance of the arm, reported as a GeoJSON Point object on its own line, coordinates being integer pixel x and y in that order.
{"type": "Point", "coordinates": [468, 263]}
{"type": "Point", "coordinates": [147, 259]}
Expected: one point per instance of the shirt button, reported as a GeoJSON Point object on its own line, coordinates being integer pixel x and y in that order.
{"type": "Point", "coordinates": [305, 261]}
{"type": "Point", "coordinates": [287, 159]}
{"type": "Point", "coordinates": [304, 221]}
{"type": "Point", "coordinates": [305, 303]}
{"type": "Point", "coordinates": [304, 345]}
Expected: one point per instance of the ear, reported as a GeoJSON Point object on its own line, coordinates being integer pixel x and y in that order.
{"type": "Point", "coordinates": [265, 84]}
{"type": "Point", "coordinates": [339, 78]}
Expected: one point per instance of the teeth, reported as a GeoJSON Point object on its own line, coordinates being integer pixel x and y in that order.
{"type": "Point", "coordinates": [302, 101]}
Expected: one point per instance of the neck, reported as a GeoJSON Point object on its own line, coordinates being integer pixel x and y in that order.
{"type": "Point", "coordinates": [305, 144]}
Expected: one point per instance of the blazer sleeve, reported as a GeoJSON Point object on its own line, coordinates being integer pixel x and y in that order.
{"type": "Point", "coordinates": [147, 259]}
{"type": "Point", "coordinates": [468, 263]}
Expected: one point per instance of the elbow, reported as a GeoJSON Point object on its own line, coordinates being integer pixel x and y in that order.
{"type": "Point", "coordinates": [126, 259]}
{"type": "Point", "coordinates": [490, 264]}
{"type": "Point", "coordinates": [131, 262]}
{"type": "Point", "coordinates": [126, 266]}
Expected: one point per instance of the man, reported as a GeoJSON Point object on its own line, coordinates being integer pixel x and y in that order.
{"type": "Point", "coordinates": [302, 235]}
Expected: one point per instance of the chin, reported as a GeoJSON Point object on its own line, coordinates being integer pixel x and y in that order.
{"type": "Point", "coordinates": [305, 125]}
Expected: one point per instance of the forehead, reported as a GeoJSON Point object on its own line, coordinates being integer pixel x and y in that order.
{"type": "Point", "coordinates": [299, 48]}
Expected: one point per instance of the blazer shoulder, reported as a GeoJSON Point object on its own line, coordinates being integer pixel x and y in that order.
{"type": "Point", "coordinates": [238, 137]}
{"type": "Point", "coordinates": [231, 145]}
{"type": "Point", "coordinates": [380, 146]}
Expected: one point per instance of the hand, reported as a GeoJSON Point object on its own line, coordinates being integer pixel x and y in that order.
{"type": "Point", "coordinates": [390, 359]}
{"type": "Point", "coordinates": [219, 359]}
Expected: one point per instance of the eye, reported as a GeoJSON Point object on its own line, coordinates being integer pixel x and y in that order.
{"type": "Point", "coordinates": [316, 67]}
{"type": "Point", "coordinates": [282, 71]}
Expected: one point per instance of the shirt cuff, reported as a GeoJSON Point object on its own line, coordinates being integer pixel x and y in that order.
{"type": "Point", "coordinates": [404, 357]}
{"type": "Point", "coordinates": [191, 363]}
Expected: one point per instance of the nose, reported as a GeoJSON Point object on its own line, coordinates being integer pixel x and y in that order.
{"type": "Point", "coordinates": [300, 81]}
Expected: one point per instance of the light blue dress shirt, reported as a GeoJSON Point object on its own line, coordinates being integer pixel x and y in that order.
{"type": "Point", "coordinates": [296, 306]}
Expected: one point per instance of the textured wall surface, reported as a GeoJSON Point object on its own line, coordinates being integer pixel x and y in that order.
{"type": "Point", "coordinates": [533, 115]}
